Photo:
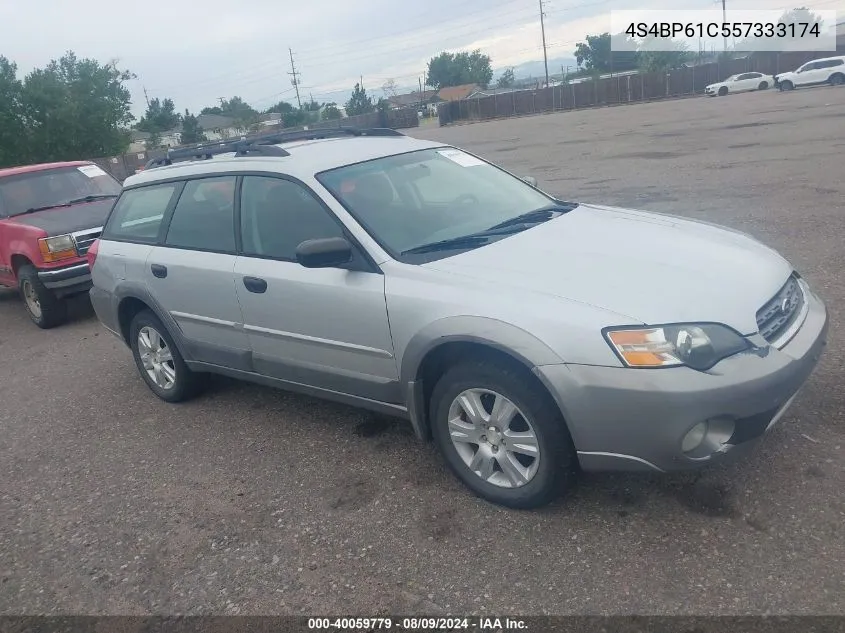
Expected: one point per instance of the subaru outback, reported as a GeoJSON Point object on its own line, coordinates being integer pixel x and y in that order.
{"type": "Point", "coordinates": [528, 335]}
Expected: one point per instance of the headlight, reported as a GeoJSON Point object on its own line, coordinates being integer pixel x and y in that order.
{"type": "Point", "coordinates": [696, 345]}
{"type": "Point", "coordinates": [56, 248]}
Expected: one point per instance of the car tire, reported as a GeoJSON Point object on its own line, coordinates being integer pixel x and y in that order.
{"type": "Point", "coordinates": [159, 361]}
{"type": "Point", "coordinates": [723, 91]}
{"type": "Point", "coordinates": [786, 86]}
{"type": "Point", "coordinates": [541, 478]}
{"type": "Point", "coordinates": [764, 85]}
{"type": "Point", "coordinates": [43, 307]}
{"type": "Point", "coordinates": [837, 79]}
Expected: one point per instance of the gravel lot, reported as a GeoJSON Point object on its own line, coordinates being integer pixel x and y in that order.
{"type": "Point", "coordinates": [251, 500]}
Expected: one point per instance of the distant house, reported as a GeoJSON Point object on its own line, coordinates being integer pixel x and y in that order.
{"type": "Point", "coordinates": [138, 140]}
{"type": "Point", "coordinates": [271, 119]}
{"type": "Point", "coordinates": [217, 127]}
{"type": "Point", "coordinates": [412, 99]}
{"type": "Point", "coordinates": [457, 93]}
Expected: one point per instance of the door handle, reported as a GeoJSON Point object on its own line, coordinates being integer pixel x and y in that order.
{"type": "Point", "coordinates": [159, 270]}
{"type": "Point", "coordinates": [254, 284]}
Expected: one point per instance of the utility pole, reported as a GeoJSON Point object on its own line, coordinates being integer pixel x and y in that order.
{"type": "Point", "coordinates": [724, 21]}
{"type": "Point", "coordinates": [294, 78]}
{"type": "Point", "coordinates": [146, 98]}
{"type": "Point", "coordinates": [543, 30]}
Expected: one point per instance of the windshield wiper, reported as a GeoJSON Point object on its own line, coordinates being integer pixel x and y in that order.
{"type": "Point", "coordinates": [100, 196]}
{"type": "Point", "coordinates": [60, 205]}
{"type": "Point", "coordinates": [466, 241]}
{"type": "Point", "coordinates": [536, 216]}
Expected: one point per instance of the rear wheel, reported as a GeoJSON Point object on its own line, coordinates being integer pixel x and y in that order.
{"type": "Point", "coordinates": [43, 307]}
{"type": "Point", "coordinates": [723, 91]}
{"type": "Point", "coordinates": [764, 85]}
{"type": "Point", "coordinates": [502, 435]}
{"type": "Point", "coordinates": [786, 86]}
{"type": "Point", "coordinates": [159, 361]}
{"type": "Point", "coordinates": [837, 80]}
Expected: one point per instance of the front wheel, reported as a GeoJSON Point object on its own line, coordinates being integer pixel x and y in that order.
{"type": "Point", "coordinates": [764, 85]}
{"type": "Point", "coordinates": [159, 361]}
{"type": "Point", "coordinates": [42, 306]}
{"type": "Point", "coordinates": [723, 91]}
{"type": "Point", "coordinates": [785, 86]}
{"type": "Point", "coordinates": [502, 435]}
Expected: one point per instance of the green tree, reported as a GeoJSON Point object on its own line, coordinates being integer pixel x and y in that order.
{"type": "Point", "coordinates": [236, 108]}
{"type": "Point", "coordinates": [191, 130]}
{"type": "Point", "coordinates": [153, 141]}
{"type": "Point", "coordinates": [653, 61]}
{"type": "Point", "coordinates": [75, 108]}
{"type": "Point", "coordinates": [455, 69]}
{"type": "Point", "coordinates": [11, 115]}
{"type": "Point", "coordinates": [594, 54]}
{"type": "Point", "coordinates": [506, 79]}
{"type": "Point", "coordinates": [160, 116]}
{"type": "Point", "coordinates": [212, 110]}
{"type": "Point", "coordinates": [359, 102]}
{"type": "Point", "coordinates": [331, 112]}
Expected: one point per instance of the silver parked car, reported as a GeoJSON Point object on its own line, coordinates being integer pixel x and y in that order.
{"type": "Point", "coordinates": [528, 335]}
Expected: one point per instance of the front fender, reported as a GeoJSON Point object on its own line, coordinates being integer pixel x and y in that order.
{"type": "Point", "coordinates": [474, 329]}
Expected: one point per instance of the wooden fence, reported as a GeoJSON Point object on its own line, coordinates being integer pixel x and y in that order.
{"type": "Point", "coordinates": [618, 90]}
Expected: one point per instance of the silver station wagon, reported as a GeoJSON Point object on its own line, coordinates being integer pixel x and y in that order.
{"type": "Point", "coordinates": [528, 335]}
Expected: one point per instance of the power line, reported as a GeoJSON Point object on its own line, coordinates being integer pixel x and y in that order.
{"type": "Point", "coordinates": [294, 78]}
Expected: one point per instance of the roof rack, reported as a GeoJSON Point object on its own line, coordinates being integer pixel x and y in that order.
{"type": "Point", "coordinates": [263, 145]}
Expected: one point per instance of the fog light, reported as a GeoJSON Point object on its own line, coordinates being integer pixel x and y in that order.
{"type": "Point", "coordinates": [694, 437]}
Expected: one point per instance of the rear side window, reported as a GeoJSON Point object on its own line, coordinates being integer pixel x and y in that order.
{"type": "Point", "coordinates": [138, 213]}
{"type": "Point", "coordinates": [204, 217]}
{"type": "Point", "coordinates": [829, 63]}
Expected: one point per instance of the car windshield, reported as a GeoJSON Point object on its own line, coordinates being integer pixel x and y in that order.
{"type": "Point", "coordinates": [420, 198]}
{"type": "Point", "coordinates": [53, 187]}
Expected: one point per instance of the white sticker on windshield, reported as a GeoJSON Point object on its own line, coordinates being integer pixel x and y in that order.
{"type": "Point", "coordinates": [462, 158]}
{"type": "Point", "coordinates": [92, 171]}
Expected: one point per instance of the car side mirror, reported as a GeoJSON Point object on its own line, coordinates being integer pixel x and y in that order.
{"type": "Point", "coordinates": [531, 180]}
{"type": "Point", "coordinates": [324, 253]}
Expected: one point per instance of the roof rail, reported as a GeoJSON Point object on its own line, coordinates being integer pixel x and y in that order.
{"type": "Point", "coordinates": [262, 145]}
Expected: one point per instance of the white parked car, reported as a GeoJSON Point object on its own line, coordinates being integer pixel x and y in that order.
{"type": "Point", "coordinates": [743, 82]}
{"type": "Point", "coordinates": [829, 70]}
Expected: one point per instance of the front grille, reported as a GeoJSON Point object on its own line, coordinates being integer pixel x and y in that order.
{"type": "Point", "coordinates": [781, 311]}
{"type": "Point", "coordinates": [85, 239]}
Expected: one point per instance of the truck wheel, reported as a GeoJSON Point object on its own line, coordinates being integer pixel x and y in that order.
{"type": "Point", "coordinates": [43, 307]}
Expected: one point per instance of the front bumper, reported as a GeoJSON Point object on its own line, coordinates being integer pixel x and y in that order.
{"type": "Point", "coordinates": [65, 281]}
{"type": "Point", "coordinates": [636, 419]}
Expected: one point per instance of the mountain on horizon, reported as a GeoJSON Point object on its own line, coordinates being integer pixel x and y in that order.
{"type": "Point", "coordinates": [536, 68]}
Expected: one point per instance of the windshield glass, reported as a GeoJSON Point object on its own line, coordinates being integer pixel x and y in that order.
{"type": "Point", "coordinates": [51, 187]}
{"type": "Point", "coordinates": [421, 197]}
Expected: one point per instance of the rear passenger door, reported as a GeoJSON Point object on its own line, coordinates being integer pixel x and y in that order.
{"type": "Point", "coordinates": [323, 327]}
{"type": "Point", "coordinates": [191, 272]}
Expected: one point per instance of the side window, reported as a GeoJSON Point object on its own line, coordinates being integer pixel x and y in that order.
{"type": "Point", "coordinates": [837, 62]}
{"type": "Point", "coordinates": [278, 215]}
{"type": "Point", "coordinates": [744, 76]}
{"type": "Point", "coordinates": [138, 213]}
{"type": "Point", "coordinates": [204, 217]}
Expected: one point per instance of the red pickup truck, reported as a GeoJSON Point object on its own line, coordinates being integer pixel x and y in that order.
{"type": "Point", "coordinates": [49, 216]}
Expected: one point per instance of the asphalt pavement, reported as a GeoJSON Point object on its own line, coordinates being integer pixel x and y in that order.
{"type": "Point", "coordinates": [250, 500]}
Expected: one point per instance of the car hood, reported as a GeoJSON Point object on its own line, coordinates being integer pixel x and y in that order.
{"type": "Point", "coordinates": [652, 268]}
{"type": "Point", "coordinates": [85, 215]}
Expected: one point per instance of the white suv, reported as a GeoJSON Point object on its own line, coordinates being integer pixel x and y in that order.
{"type": "Point", "coordinates": [830, 70]}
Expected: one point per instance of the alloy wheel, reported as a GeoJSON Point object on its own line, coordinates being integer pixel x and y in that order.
{"type": "Point", "coordinates": [156, 357]}
{"type": "Point", "coordinates": [493, 438]}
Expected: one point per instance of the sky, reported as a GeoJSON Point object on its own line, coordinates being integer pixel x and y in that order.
{"type": "Point", "coordinates": [197, 51]}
